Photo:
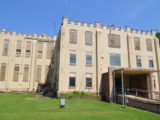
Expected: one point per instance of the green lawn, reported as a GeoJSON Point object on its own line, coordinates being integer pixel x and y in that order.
{"type": "Point", "coordinates": [16, 107]}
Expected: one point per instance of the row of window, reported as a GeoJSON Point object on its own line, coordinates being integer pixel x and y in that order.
{"type": "Point", "coordinates": [88, 82]}
{"type": "Point", "coordinates": [26, 70]}
{"type": "Point", "coordinates": [115, 60]}
{"type": "Point", "coordinates": [49, 49]}
{"type": "Point", "coordinates": [113, 40]}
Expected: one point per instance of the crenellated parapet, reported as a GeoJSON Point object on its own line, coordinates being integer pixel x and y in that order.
{"type": "Point", "coordinates": [44, 36]}
{"type": "Point", "coordinates": [98, 25]}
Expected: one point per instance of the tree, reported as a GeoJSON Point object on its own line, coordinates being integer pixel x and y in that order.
{"type": "Point", "coordinates": [158, 36]}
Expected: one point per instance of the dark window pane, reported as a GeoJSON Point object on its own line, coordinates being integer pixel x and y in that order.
{"type": "Point", "coordinates": [138, 62]}
{"type": "Point", "coordinates": [151, 64]}
{"type": "Point", "coordinates": [72, 81]}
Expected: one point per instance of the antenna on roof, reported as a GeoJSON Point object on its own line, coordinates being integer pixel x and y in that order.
{"type": "Point", "coordinates": [66, 8]}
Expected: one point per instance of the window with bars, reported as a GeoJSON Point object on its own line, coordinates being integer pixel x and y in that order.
{"type": "Point", "coordinates": [38, 73]}
{"type": "Point", "coordinates": [88, 60]}
{"type": "Point", "coordinates": [16, 73]}
{"type": "Point", "coordinates": [149, 44]}
{"type": "Point", "coordinates": [115, 59]}
{"type": "Point", "coordinates": [138, 61]}
{"type": "Point", "coordinates": [40, 50]}
{"type": "Point", "coordinates": [28, 49]}
{"type": "Point", "coordinates": [26, 73]}
{"type": "Point", "coordinates": [137, 43]}
{"type": "Point", "coordinates": [114, 41]}
{"type": "Point", "coordinates": [151, 65]}
{"type": "Point", "coordinates": [72, 81]}
{"type": "Point", "coordinates": [73, 36]}
{"type": "Point", "coordinates": [88, 82]}
{"type": "Point", "coordinates": [5, 47]}
{"type": "Point", "coordinates": [18, 48]}
{"type": "Point", "coordinates": [3, 71]}
{"type": "Point", "coordinates": [88, 38]}
{"type": "Point", "coordinates": [49, 50]}
{"type": "Point", "coordinates": [72, 59]}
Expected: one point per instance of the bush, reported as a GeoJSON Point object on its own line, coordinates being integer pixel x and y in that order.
{"type": "Point", "coordinates": [77, 94]}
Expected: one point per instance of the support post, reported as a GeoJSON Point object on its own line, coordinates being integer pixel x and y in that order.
{"type": "Point", "coordinates": [122, 87]}
{"type": "Point", "coordinates": [114, 87]}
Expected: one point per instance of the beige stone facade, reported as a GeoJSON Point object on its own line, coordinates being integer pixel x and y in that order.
{"type": "Point", "coordinates": [84, 52]}
{"type": "Point", "coordinates": [24, 60]}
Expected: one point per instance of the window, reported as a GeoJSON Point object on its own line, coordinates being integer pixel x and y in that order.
{"type": "Point", "coordinates": [138, 61]}
{"type": "Point", "coordinates": [151, 65]}
{"type": "Point", "coordinates": [114, 40]}
{"type": "Point", "coordinates": [137, 43]}
{"type": "Point", "coordinates": [72, 58]}
{"type": "Point", "coordinates": [115, 59]}
{"type": "Point", "coordinates": [88, 82]}
{"type": "Point", "coordinates": [28, 49]}
{"type": "Point", "coordinates": [3, 71]}
{"type": "Point", "coordinates": [25, 73]}
{"type": "Point", "coordinates": [46, 71]}
{"type": "Point", "coordinates": [49, 50]}
{"type": "Point", "coordinates": [5, 48]}
{"type": "Point", "coordinates": [18, 48]}
{"type": "Point", "coordinates": [88, 60]}
{"type": "Point", "coordinates": [40, 50]}
{"type": "Point", "coordinates": [38, 73]}
{"type": "Point", "coordinates": [16, 73]}
{"type": "Point", "coordinates": [88, 38]}
{"type": "Point", "coordinates": [72, 81]}
{"type": "Point", "coordinates": [73, 36]}
{"type": "Point", "coordinates": [149, 44]}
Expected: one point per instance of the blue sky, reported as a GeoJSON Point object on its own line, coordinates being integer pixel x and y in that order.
{"type": "Point", "coordinates": [38, 16]}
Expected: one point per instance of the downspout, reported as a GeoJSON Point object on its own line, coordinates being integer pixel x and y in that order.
{"type": "Point", "coordinates": [128, 50]}
{"type": "Point", "coordinates": [97, 61]}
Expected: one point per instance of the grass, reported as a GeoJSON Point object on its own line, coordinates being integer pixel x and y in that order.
{"type": "Point", "coordinates": [17, 107]}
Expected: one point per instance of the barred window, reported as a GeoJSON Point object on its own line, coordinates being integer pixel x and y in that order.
{"type": "Point", "coordinates": [115, 59]}
{"type": "Point", "coordinates": [3, 71]}
{"type": "Point", "coordinates": [25, 73]}
{"type": "Point", "coordinates": [138, 61]}
{"type": "Point", "coordinates": [38, 73]}
{"type": "Point", "coordinates": [72, 81]}
{"type": "Point", "coordinates": [72, 58]}
{"type": "Point", "coordinates": [149, 44]}
{"type": "Point", "coordinates": [16, 73]}
{"type": "Point", "coordinates": [40, 50]}
{"type": "Point", "coordinates": [88, 60]}
{"type": "Point", "coordinates": [88, 82]}
{"type": "Point", "coordinates": [5, 48]}
{"type": "Point", "coordinates": [73, 36]}
{"type": "Point", "coordinates": [49, 50]}
{"type": "Point", "coordinates": [114, 40]}
{"type": "Point", "coordinates": [18, 48]}
{"type": "Point", "coordinates": [137, 43]}
{"type": "Point", "coordinates": [88, 38]}
{"type": "Point", "coordinates": [28, 49]}
{"type": "Point", "coordinates": [150, 62]}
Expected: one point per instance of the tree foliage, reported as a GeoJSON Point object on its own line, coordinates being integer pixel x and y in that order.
{"type": "Point", "coordinates": [158, 35]}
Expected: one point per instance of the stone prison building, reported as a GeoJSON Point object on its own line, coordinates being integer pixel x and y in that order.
{"type": "Point", "coordinates": [84, 57]}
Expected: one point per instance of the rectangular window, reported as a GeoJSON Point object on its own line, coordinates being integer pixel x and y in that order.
{"type": "Point", "coordinates": [149, 44]}
{"type": "Point", "coordinates": [73, 36]}
{"type": "Point", "coordinates": [88, 60]}
{"type": "Point", "coordinates": [88, 82]}
{"type": "Point", "coordinates": [3, 71]}
{"type": "Point", "coordinates": [16, 73]}
{"type": "Point", "coordinates": [26, 73]}
{"type": "Point", "coordinates": [18, 48]}
{"type": "Point", "coordinates": [5, 48]}
{"type": "Point", "coordinates": [40, 50]}
{"type": "Point", "coordinates": [72, 81]}
{"type": "Point", "coordinates": [72, 58]}
{"type": "Point", "coordinates": [151, 65]}
{"type": "Point", "coordinates": [138, 61]}
{"type": "Point", "coordinates": [49, 50]}
{"type": "Point", "coordinates": [88, 38]}
{"type": "Point", "coordinates": [137, 43]}
{"type": "Point", "coordinates": [28, 49]}
{"type": "Point", "coordinates": [115, 59]}
{"type": "Point", "coordinates": [38, 73]}
{"type": "Point", "coordinates": [114, 41]}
